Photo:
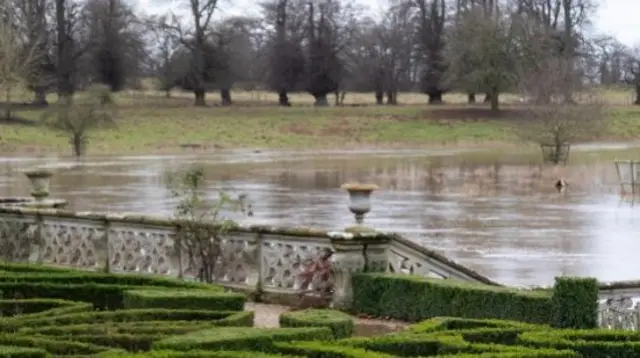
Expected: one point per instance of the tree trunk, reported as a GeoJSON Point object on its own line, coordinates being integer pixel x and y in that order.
{"type": "Point", "coordinates": [337, 99]}
{"type": "Point", "coordinates": [65, 63]}
{"type": "Point", "coordinates": [487, 97]}
{"type": "Point", "coordinates": [637, 101]}
{"type": "Point", "coordinates": [167, 94]}
{"type": "Point", "coordinates": [321, 100]}
{"type": "Point", "coordinates": [78, 143]}
{"type": "Point", "coordinates": [225, 97]}
{"type": "Point", "coordinates": [543, 98]}
{"type": "Point", "coordinates": [40, 97]}
{"type": "Point", "coordinates": [7, 103]}
{"type": "Point", "coordinates": [495, 104]}
{"type": "Point", "coordinates": [199, 98]}
{"type": "Point", "coordinates": [379, 97]}
{"type": "Point", "coordinates": [435, 97]}
{"type": "Point", "coordinates": [392, 98]}
{"type": "Point", "coordinates": [283, 99]}
{"type": "Point", "coordinates": [471, 98]}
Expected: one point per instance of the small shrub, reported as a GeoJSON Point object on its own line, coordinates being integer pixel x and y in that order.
{"type": "Point", "coordinates": [184, 298]}
{"type": "Point", "coordinates": [575, 303]}
{"type": "Point", "coordinates": [236, 338]}
{"type": "Point", "coordinates": [341, 324]}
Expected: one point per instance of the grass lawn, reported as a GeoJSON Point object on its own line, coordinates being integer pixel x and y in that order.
{"type": "Point", "coordinates": [148, 122]}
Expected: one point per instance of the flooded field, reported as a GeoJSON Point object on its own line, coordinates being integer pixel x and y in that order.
{"type": "Point", "coordinates": [496, 213]}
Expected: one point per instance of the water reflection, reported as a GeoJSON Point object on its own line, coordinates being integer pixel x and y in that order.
{"type": "Point", "coordinates": [499, 215]}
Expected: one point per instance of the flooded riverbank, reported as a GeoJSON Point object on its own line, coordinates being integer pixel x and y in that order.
{"type": "Point", "coordinates": [494, 212]}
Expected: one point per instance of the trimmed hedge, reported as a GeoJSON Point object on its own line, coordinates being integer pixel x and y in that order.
{"type": "Point", "coordinates": [102, 296]}
{"type": "Point", "coordinates": [588, 343]}
{"type": "Point", "coordinates": [413, 298]}
{"type": "Point", "coordinates": [236, 338]}
{"type": "Point", "coordinates": [450, 344]}
{"type": "Point", "coordinates": [340, 323]}
{"type": "Point", "coordinates": [575, 303]}
{"type": "Point", "coordinates": [13, 307]}
{"type": "Point", "coordinates": [457, 323]}
{"type": "Point", "coordinates": [145, 327]}
{"type": "Point", "coordinates": [219, 318]}
{"type": "Point", "coordinates": [54, 316]}
{"type": "Point", "coordinates": [194, 354]}
{"type": "Point", "coordinates": [105, 291]}
{"type": "Point", "coordinates": [12, 268]}
{"type": "Point", "coordinates": [53, 345]}
{"type": "Point", "coordinates": [125, 279]}
{"type": "Point", "coordinates": [540, 353]}
{"type": "Point", "coordinates": [326, 349]}
{"type": "Point", "coordinates": [183, 298]}
{"type": "Point", "coordinates": [21, 352]}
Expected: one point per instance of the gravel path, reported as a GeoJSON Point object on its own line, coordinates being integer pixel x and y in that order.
{"type": "Point", "coordinates": [268, 315]}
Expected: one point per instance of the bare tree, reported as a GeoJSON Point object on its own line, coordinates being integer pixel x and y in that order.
{"type": "Point", "coordinates": [234, 52]}
{"type": "Point", "coordinates": [77, 117]}
{"type": "Point", "coordinates": [118, 44]}
{"type": "Point", "coordinates": [73, 39]}
{"type": "Point", "coordinates": [609, 55]}
{"type": "Point", "coordinates": [330, 25]}
{"type": "Point", "coordinates": [632, 71]}
{"type": "Point", "coordinates": [15, 59]}
{"type": "Point", "coordinates": [162, 54]}
{"type": "Point", "coordinates": [560, 124]}
{"type": "Point", "coordinates": [540, 69]}
{"type": "Point", "coordinates": [285, 26]}
{"type": "Point", "coordinates": [194, 38]}
{"type": "Point", "coordinates": [431, 17]}
{"type": "Point", "coordinates": [565, 19]}
{"type": "Point", "coordinates": [32, 20]}
{"type": "Point", "coordinates": [393, 50]}
{"type": "Point", "coordinates": [481, 52]}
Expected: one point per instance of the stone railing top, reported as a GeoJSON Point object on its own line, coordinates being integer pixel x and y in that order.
{"type": "Point", "coordinates": [620, 285]}
{"type": "Point", "coordinates": [150, 220]}
{"type": "Point", "coordinates": [441, 258]}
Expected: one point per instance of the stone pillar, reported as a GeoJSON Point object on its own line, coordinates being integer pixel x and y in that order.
{"type": "Point", "coordinates": [362, 253]}
{"type": "Point", "coordinates": [346, 260]}
{"type": "Point", "coordinates": [376, 253]}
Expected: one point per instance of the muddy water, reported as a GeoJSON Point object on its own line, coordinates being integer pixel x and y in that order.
{"type": "Point", "coordinates": [497, 213]}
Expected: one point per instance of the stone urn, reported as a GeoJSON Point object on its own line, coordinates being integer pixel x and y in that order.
{"type": "Point", "coordinates": [40, 180]}
{"type": "Point", "coordinates": [359, 199]}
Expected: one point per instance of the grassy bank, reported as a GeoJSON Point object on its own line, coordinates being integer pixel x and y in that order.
{"type": "Point", "coordinates": [152, 123]}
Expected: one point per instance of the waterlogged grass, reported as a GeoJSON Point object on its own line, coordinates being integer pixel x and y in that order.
{"type": "Point", "coordinates": [155, 124]}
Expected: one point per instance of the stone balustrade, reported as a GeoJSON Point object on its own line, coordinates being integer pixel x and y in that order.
{"type": "Point", "coordinates": [619, 306]}
{"type": "Point", "coordinates": [255, 258]}
{"type": "Point", "coordinates": [269, 260]}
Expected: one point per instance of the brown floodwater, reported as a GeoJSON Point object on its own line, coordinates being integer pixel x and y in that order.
{"type": "Point", "coordinates": [497, 213]}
